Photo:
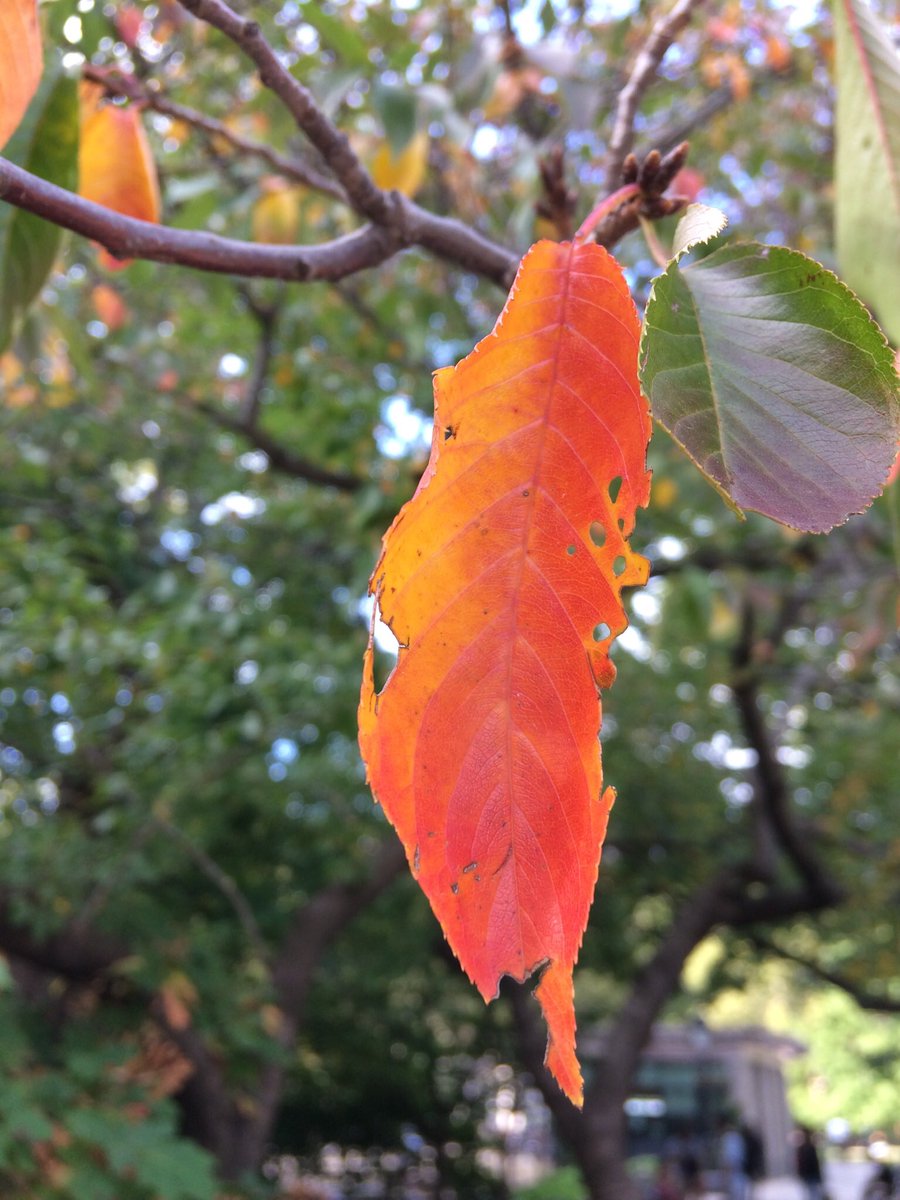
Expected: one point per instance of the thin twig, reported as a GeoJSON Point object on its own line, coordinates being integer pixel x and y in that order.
{"type": "Point", "coordinates": [662, 35]}
{"type": "Point", "coordinates": [118, 83]}
{"type": "Point", "coordinates": [222, 880]}
{"type": "Point", "coordinates": [772, 794]}
{"type": "Point", "coordinates": [266, 318]}
{"type": "Point", "coordinates": [279, 456]}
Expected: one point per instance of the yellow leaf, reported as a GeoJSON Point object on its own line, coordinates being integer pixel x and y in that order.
{"type": "Point", "coordinates": [723, 619]}
{"type": "Point", "coordinates": [403, 172]}
{"type": "Point", "coordinates": [21, 62]}
{"type": "Point", "coordinates": [665, 492]}
{"type": "Point", "coordinates": [10, 369]}
{"type": "Point", "coordinates": [272, 1019]}
{"type": "Point", "coordinates": [276, 214]}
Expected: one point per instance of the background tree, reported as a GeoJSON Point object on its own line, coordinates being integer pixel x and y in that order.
{"type": "Point", "coordinates": [212, 954]}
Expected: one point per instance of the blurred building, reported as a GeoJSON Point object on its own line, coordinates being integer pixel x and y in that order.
{"type": "Point", "coordinates": [691, 1077]}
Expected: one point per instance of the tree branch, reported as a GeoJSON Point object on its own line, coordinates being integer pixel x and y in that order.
{"type": "Point", "coordinates": [118, 83]}
{"type": "Point", "coordinates": [772, 793]}
{"type": "Point", "coordinates": [368, 247]}
{"type": "Point", "coordinates": [866, 999]}
{"type": "Point", "coordinates": [664, 32]}
{"type": "Point", "coordinates": [126, 237]}
{"type": "Point", "coordinates": [266, 317]}
{"type": "Point", "coordinates": [221, 879]}
{"type": "Point", "coordinates": [654, 984]}
{"type": "Point", "coordinates": [322, 919]}
{"type": "Point", "coordinates": [334, 146]}
{"type": "Point", "coordinates": [410, 224]}
{"type": "Point", "coordinates": [79, 954]}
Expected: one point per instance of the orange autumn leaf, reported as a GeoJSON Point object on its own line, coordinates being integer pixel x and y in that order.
{"type": "Point", "coordinates": [21, 62]}
{"type": "Point", "coordinates": [778, 52]}
{"type": "Point", "coordinates": [115, 166]}
{"type": "Point", "coordinates": [502, 581]}
{"type": "Point", "coordinates": [109, 306]}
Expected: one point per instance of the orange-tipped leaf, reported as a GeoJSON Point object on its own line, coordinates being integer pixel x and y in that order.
{"type": "Point", "coordinates": [501, 579]}
{"type": "Point", "coordinates": [21, 62]}
{"type": "Point", "coordinates": [115, 165]}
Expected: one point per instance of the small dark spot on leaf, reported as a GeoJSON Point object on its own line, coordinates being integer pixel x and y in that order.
{"type": "Point", "coordinates": [416, 861]}
{"type": "Point", "coordinates": [526, 492]}
{"type": "Point", "coordinates": [454, 888]}
{"type": "Point", "coordinates": [450, 432]}
{"type": "Point", "coordinates": [470, 867]}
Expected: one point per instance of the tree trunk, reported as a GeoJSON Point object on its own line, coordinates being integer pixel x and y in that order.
{"type": "Point", "coordinates": [601, 1152]}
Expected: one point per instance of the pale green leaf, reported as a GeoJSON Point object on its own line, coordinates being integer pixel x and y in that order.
{"type": "Point", "coordinates": [867, 160]}
{"type": "Point", "coordinates": [699, 223]}
{"type": "Point", "coordinates": [46, 144]}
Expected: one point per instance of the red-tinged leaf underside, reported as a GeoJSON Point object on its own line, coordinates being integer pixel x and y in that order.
{"type": "Point", "coordinates": [501, 578]}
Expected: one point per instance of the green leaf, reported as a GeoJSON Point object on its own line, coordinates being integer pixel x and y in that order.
{"type": "Point", "coordinates": [396, 108]}
{"type": "Point", "coordinates": [338, 35]}
{"type": "Point", "coordinates": [867, 160]}
{"type": "Point", "coordinates": [46, 144]}
{"type": "Point", "coordinates": [773, 378]}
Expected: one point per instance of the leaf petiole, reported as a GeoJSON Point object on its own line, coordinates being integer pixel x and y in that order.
{"type": "Point", "coordinates": [604, 208]}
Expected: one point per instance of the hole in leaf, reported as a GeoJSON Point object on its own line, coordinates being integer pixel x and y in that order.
{"type": "Point", "coordinates": [570, 549]}
{"type": "Point", "coordinates": [598, 534]}
{"type": "Point", "coordinates": [621, 522]}
{"type": "Point", "coordinates": [450, 432]}
{"type": "Point", "coordinates": [619, 565]}
{"type": "Point", "coordinates": [601, 632]}
{"type": "Point", "coordinates": [615, 486]}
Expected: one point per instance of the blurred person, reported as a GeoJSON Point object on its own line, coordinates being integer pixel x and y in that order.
{"type": "Point", "coordinates": [732, 1156]}
{"type": "Point", "coordinates": [881, 1184]}
{"type": "Point", "coordinates": [666, 1186]}
{"type": "Point", "coordinates": [689, 1166]}
{"type": "Point", "coordinates": [754, 1155]}
{"type": "Point", "coordinates": [809, 1168]}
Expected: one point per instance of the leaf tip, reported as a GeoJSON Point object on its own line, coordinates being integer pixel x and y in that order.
{"type": "Point", "coordinates": [556, 995]}
{"type": "Point", "coordinates": [699, 223]}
